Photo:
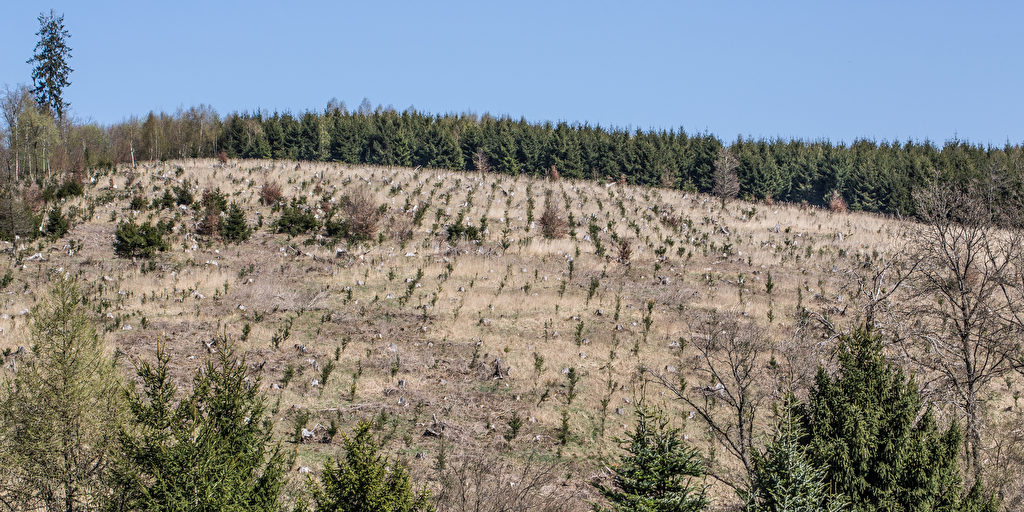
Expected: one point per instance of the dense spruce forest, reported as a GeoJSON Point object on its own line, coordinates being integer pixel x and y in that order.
{"type": "Point", "coordinates": [865, 175]}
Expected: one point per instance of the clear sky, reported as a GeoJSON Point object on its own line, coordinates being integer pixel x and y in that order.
{"type": "Point", "coordinates": [812, 70]}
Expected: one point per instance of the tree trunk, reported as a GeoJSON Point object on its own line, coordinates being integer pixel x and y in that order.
{"type": "Point", "coordinates": [972, 439]}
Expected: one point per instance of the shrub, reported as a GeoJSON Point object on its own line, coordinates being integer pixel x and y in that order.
{"type": "Point", "coordinates": [214, 201]}
{"type": "Point", "coordinates": [836, 202]}
{"type": "Point", "coordinates": [360, 215]}
{"type": "Point", "coordinates": [552, 223]}
{"type": "Point", "coordinates": [183, 194]}
{"type": "Point", "coordinates": [138, 203]}
{"type": "Point", "coordinates": [70, 188]}
{"type": "Point", "coordinates": [460, 230]}
{"type": "Point", "coordinates": [234, 228]}
{"type": "Point", "coordinates": [296, 219]}
{"type": "Point", "coordinates": [57, 225]}
{"type": "Point", "coordinates": [166, 201]}
{"type": "Point", "coordinates": [625, 251]}
{"type": "Point", "coordinates": [270, 193]}
{"type": "Point", "coordinates": [222, 156]}
{"type": "Point", "coordinates": [138, 240]}
{"type": "Point", "coordinates": [209, 225]}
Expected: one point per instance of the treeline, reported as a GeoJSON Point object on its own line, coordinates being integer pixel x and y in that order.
{"type": "Point", "coordinates": [867, 175]}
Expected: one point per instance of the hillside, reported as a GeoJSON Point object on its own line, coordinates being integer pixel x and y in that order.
{"type": "Point", "coordinates": [443, 340]}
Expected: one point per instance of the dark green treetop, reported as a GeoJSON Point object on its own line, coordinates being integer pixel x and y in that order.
{"type": "Point", "coordinates": [51, 72]}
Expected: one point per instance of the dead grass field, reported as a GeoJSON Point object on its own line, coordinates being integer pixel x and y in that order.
{"type": "Point", "coordinates": [416, 352]}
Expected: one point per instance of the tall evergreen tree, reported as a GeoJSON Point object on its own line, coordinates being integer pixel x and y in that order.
{"type": "Point", "coordinates": [881, 447]}
{"type": "Point", "coordinates": [660, 473]}
{"type": "Point", "coordinates": [51, 72]}
{"type": "Point", "coordinates": [564, 152]}
{"type": "Point", "coordinates": [209, 450]}
{"type": "Point", "coordinates": [390, 143]}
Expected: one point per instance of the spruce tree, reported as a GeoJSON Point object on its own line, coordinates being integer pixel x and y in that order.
{"type": "Point", "coordinates": [785, 479]}
{"type": "Point", "coordinates": [57, 225]}
{"type": "Point", "coordinates": [208, 450]}
{"type": "Point", "coordinates": [51, 72]}
{"type": "Point", "coordinates": [234, 228]}
{"type": "Point", "coordinates": [881, 448]}
{"type": "Point", "coordinates": [660, 473]}
{"type": "Point", "coordinates": [16, 218]}
{"type": "Point", "coordinates": [364, 480]}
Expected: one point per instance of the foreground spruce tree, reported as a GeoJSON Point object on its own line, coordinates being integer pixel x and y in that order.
{"type": "Point", "coordinates": [785, 479]}
{"type": "Point", "coordinates": [58, 413]}
{"type": "Point", "coordinates": [209, 450]}
{"type": "Point", "coordinates": [364, 481]}
{"type": "Point", "coordinates": [882, 450]}
{"type": "Point", "coordinates": [660, 473]}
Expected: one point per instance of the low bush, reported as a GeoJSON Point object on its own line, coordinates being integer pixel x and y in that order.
{"type": "Point", "coordinates": [359, 217]}
{"type": "Point", "coordinates": [460, 230]}
{"type": "Point", "coordinates": [214, 201]}
{"type": "Point", "coordinates": [139, 240]}
{"type": "Point", "coordinates": [270, 193]}
{"type": "Point", "coordinates": [183, 194]}
{"type": "Point", "coordinates": [552, 223]}
{"type": "Point", "coordinates": [296, 218]}
{"type": "Point", "coordinates": [837, 204]}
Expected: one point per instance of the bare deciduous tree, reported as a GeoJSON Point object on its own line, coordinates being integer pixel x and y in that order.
{"type": "Point", "coordinates": [730, 362]}
{"type": "Point", "coordinates": [552, 221]}
{"type": "Point", "coordinates": [961, 304]}
{"type": "Point", "coordinates": [481, 483]}
{"type": "Point", "coordinates": [727, 183]}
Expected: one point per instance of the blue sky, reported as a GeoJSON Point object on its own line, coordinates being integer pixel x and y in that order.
{"type": "Point", "coordinates": [811, 70]}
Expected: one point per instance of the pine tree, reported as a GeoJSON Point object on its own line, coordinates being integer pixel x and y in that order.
{"type": "Point", "coordinates": [57, 225]}
{"type": "Point", "coordinates": [881, 448]}
{"type": "Point", "coordinates": [364, 481]}
{"type": "Point", "coordinates": [785, 479]}
{"type": "Point", "coordinates": [138, 240]}
{"type": "Point", "coordinates": [660, 472]}
{"type": "Point", "coordinates": [234, 228]}
{"type": "Point", "coordinates": [564, 152]}
{"type": "Point", "coordinates": [51, 73]}
{"type": "Point", "coordinates": [16, 218]}
{"type": "Point", "coordinates": [210, 450]}
{"type": "Point", "coordinates": [58, 414]}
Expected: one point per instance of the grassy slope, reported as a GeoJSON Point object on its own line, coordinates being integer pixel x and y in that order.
{"type": "Point", "coordinates": [495, 304]}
